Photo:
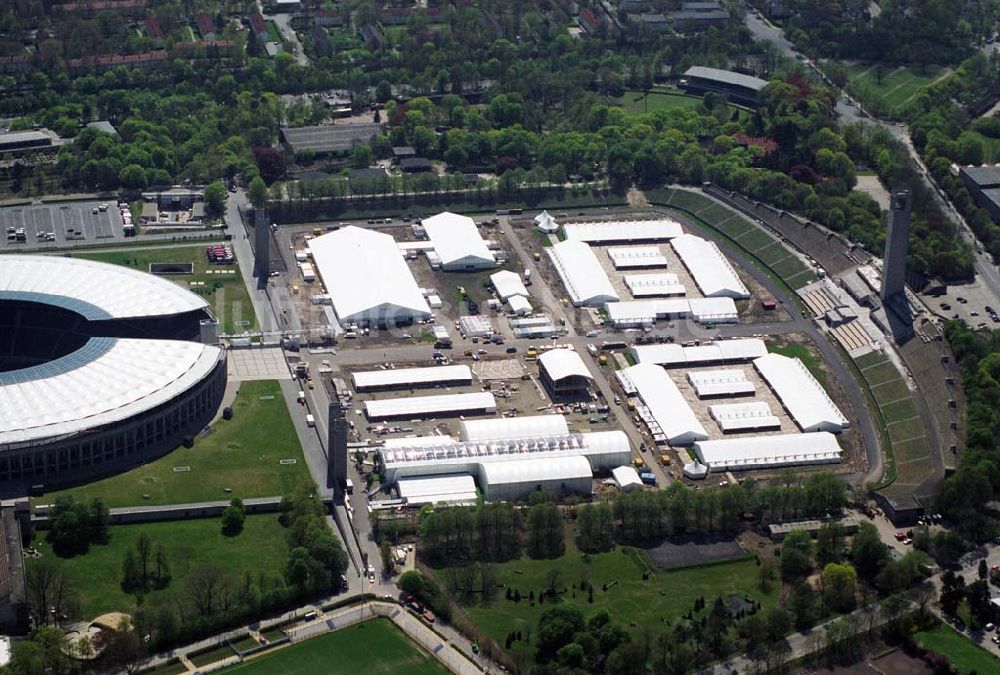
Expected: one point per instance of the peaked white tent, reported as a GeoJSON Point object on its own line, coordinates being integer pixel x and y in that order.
{"type": "Point", "coordinates": [457, 242]}
{"type": "Point", "coordinates": [546, 223]}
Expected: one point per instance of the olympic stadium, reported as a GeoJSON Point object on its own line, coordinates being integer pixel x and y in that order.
{"type": "Point", "coordinates": [102, 368]}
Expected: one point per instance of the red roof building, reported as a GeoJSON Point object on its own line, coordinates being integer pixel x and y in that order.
{"type": "Point", "coordinates": [258, 25]}
{"type": "Point", "coordinates": [768, 145]}
{"type": "Point", "coordinates": [153, 30]}
{"type": "Point", "coordinates": [206, 26]}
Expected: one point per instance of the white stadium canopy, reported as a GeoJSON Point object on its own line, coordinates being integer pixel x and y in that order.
{"type": "Point", "coordinates": [457, 242]}
{"type": "Point", "coordinates": [711, 270]}
{"type": "Point", "coordinates": [581, 273]}
{"type": "Point", "coordinates": [107, 380]}
{"type": "Point", "coordinates": [804, 398]}
{"type": "Point", "coordinates": [96, 291]}
{"type": "Point", "coordinates": [367, 278]}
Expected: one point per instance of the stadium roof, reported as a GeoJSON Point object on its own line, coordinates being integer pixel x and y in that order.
{"type": "Point", "coordinates": [366, 276]}
{"type": "Point", "coordinates": [410, 376]}
{"type": "Point", "coordinates": [328, 138]}
{"type": "Point", "coordinates": [418, 406]}
{"type": "Point", "coordinates": [457, 241]}
{"type": "Point", "coordinates": [769, 451]}
{"type": "Point", "coordinates": [645, 285]}
{"type": "Point", "coordinates": [627, 230]}
{"type": "Point", "coordinates": [726, 77]}
{"type": "Point", "coordinates": [582, 274]}
{"type": "Point", "coordinates": [508, 283]}
{"type": "Point", "coordinates": [740, 349]}
{"type": "Point", "coordinates": [804, 398]}
{"type": "Point", "coordinates": [710, 269]}
{"type": "Point", "coordinates": [503, 428]}
{"type": "Point", "coordinates": [457, 489]}
{"type": "Point", "coordinates": [105, 381]}
{"type": "Point", "coordinates": [560, 363]}
{"type": "Point", "coordinates": [95, 290]}
{"type": "Point", "coordinates": [726, 382]}
{"type": "Point", "coordinates": [637, 256]}
{"type": "Point", "coordinates": [665, 403]}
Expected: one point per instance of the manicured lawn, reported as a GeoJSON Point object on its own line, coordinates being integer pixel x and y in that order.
{"type": "Point", "coordinates": [895, 86]}
{"type": "Point", "coordinates": [242, 454]}
{"type": "Point", "coordinates": [188, 544]}
{"type": "Point", "coordinates": [658, 99]}
{"type": "Point", "coordinates": [372, 647]}
{"type": "Point", "coordinates": [665, 596]}
{"type": "Point", "coordinates": [962, 653]}
{"type": "Point", "coordinates": [170, 668]}
{"type": "Point", "coordinates": [226, 293]}
{"type": "Point", "coordinates": [208, 656]}
{"type": "Point", "coordinates": [810, 359]}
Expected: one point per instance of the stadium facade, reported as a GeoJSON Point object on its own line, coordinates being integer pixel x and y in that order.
{"type": "Point", "coordinates": [101, 370]}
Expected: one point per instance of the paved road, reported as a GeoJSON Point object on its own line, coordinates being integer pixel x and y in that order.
{"type": "Point", "coordinates": [283, 21]}
{"type": "Point", "coordinates": [851, 111]}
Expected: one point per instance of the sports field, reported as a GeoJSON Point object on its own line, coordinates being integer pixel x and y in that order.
{"type": "Point", "coordinates": [373, 647]}
{"type": "Point", "coordinates": [188, 544]}
{"type": "Point", "coordinates": [657, 99]}
{"type": "Point", "coordinates": [894, 87]}
{"type": "Point", "coordinates": [665, 596]}
{"type": "Point", "coordinates": [242, 455]}
{"type": "Point", "coordinates": [221, 285]}
{"type": "Point", "coordinates": [963, 654]}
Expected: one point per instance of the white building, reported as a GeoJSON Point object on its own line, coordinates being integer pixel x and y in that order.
{"type": "Point", "coordinates": [664, 409]}
{"type": "Point", "coordinates": [475, 326]}
{"type": "Point", "coordinates": [645, 313]}
{"type": "Point", "coordinates": [582, 275]}
{"type": "Point", "coordinates": [545, 223]}
{"type": "Point", "coordinates": [739, 417]}
{"type": "Point", "coordinates": [519, 305]}
{"type": "Point", "coordinates": [460, 489]}
{"type": "Point", "coordinates": [457, 242]}
{"type": "Point", "coordinates": [446, 405]}
{"type": "Point", "coordinates": [713, 273]}
{"type": "Point", "coordinates": [530, 426]}
{"type": "Point", "coordinates": [367, 279]}
{"type": "Point", "coordinates": [764, 452]}
{"type": "Point", "coordinates": [508, 284]}
{"type": "Point", "coordinates": [627, 479]}
{"type": "Point", "coordinates": [803, 397]}
{"type": "Point", "coordinates": [725, 383]}
{"type": "Point", "coordinates": [512, 468]}
{"type": "Point", "coordinates": [609, 232]}
{"type": "Point", "coordinates": [654, 285]}
{"type": "Point", "coordinates": [720, 352]}
{"type": "Point", "coordinates": [400, 378]}
{"type": "Point", "coordinates": [636, 257]}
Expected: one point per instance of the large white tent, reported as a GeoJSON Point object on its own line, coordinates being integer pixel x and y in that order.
{"type": "Point", "coordinates": [761, 452]}
{"type": "Point", "coordinates": [647, 311]}
{"type": "Point", "coordinates": [367, 278]}
{"type": "Point", "coordinates": [608, 231]}
{"type": "Point", "coordinates": [711, 270]}
{"type": "Point", "coordinates": [582, 275]}
{"type": "Point", "coordinates": [508, 284]}
{"type": "Point", "coordinates": [512, 427]}
{"type": "Point", "coordinates": [457, 242]}
{"type": "Point", "coordinates": [546, 223]}
{"type": "Point", "coordinates": [801, 394]}
{"type": "Point", "coordinates": [667, 410]}
{"type": "Point", "coordinates": [719, 352]}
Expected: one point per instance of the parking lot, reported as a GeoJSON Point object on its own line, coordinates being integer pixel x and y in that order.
{"type": "Point", "coordinates": [68, 223]}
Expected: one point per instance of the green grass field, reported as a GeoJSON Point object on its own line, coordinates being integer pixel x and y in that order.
{"type": "Point", "coordinates": [895, 87]}
{"type": "Point", "coordinates": [963, 654]}
{"type": "Point", "coordinates": [665, 596]}
{"type": "Point", "coordinates": [373, 647]}
{"type": "Point", "coordinates": [242, 454]}
{"type": "Point", "coordinates": [657, 99]}
{"type": "Point", "coordinates": [188, 544]}
{"type": "Point", "coordinates": [226, 294]}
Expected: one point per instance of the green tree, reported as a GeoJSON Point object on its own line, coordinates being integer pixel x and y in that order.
{"type": "Point", "coordinates": [796, 554]}
{"type": "Point", "coordinates": [233, 517]}
{"type": "Point", "coordinates": [258, 193]}
{"type": "Point", "coordinates": [867, 551]}
{"type": "Point", "coordinates": [839, 587]}
{"type": "Point", "coordinates": [215, 198]}
{"type": "Point", "coordinates": [133, 177]}
{"type": "Point", "coordinates": [545, 531]}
